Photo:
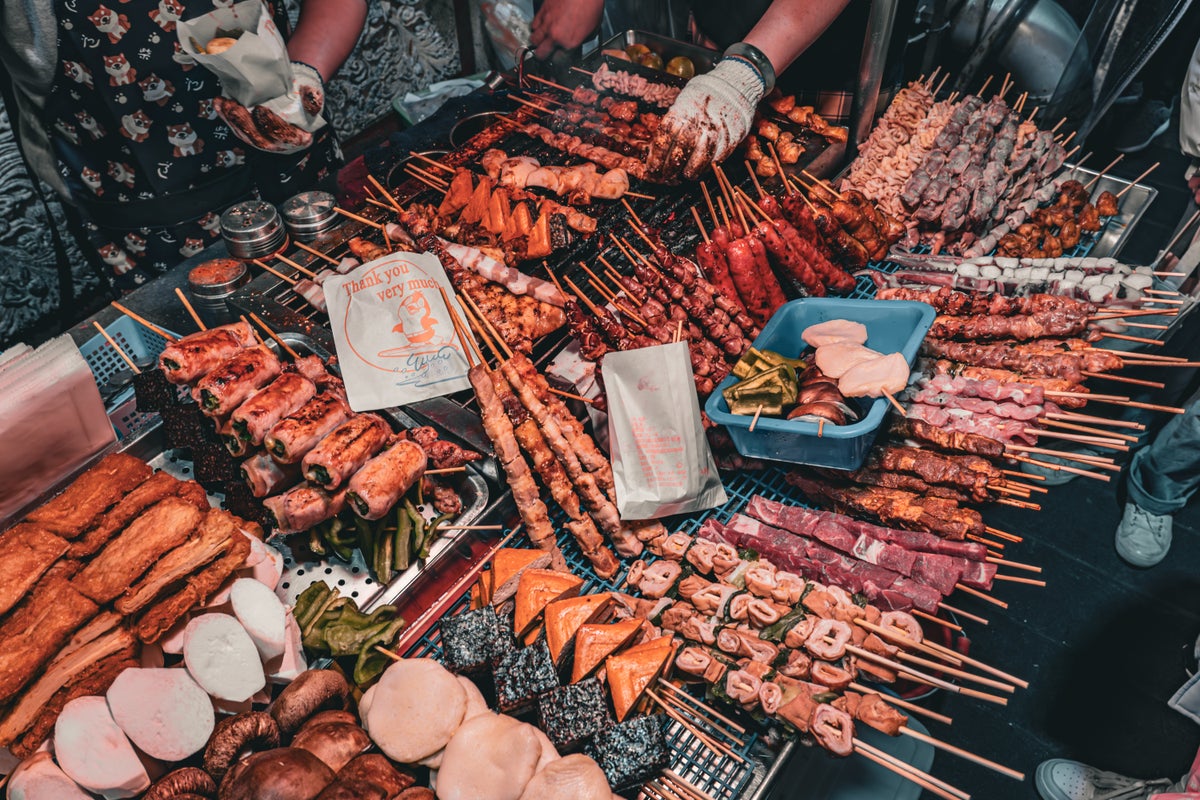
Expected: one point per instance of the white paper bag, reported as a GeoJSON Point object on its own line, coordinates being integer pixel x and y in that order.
{"type": "Point", "coordinates": [394, 335]}
{"type": "Point", "coordinates": [660, 457]}
{"type": "Point", "coordinates": [253, 71]}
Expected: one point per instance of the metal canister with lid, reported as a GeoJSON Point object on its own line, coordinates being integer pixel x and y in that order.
{"type": "Point", "coordinates": [253, 229]}
{"type": "Point", "coordinates": [309, 214]}
{"type": "Point", "coordinates": [211, 284]}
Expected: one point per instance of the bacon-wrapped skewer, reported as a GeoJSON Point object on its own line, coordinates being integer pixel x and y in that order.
{"type": "Point", "coordinates": [195, 355]}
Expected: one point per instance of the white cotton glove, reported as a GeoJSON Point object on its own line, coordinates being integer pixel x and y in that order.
{"type": "Point", "coordinates": [708, 120]}
{"type": "Point", "coordinates": [282, 124]}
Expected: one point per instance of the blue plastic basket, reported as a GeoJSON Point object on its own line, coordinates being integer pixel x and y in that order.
{"type": "Point", "coordinates": [892, 326]}
{"type": "Point", "coordinates": [142, 345]}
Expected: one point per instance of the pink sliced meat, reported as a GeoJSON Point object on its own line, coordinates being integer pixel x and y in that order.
{"type": "Point", "coordinates": [285, 395]}
{"type": "Point", "coordinates": [979, 575]}
{"type": "Point", "coordinates": [304, 506]}
{"type": "Point", "coordinates": [940, 572]}
{"type": "Point", "coordinates": [265, 476]}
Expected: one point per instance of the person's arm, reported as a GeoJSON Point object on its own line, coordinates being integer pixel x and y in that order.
{"type": "Point", "coordinates": [564, 24]}
{"type": "Point", "coordinates": [789, 27]}
{"type": "Point", "coordinates": [714, 111]}
{"type": "Point", "coordinates": [326, 33]}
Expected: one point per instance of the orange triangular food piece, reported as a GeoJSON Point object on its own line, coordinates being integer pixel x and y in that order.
{"type": "Point", "coordinates": [498, 212]}
{"type": "Point", "coordinates": [462, 186]}
{"type": "Point", "coordinates": [630, 672]}
{"type": "Point", "coordinates": [507, 566]}
{"type": "Point", "coordinates": [594, 643]}
{"type": "Point", "coordinates": [481, 198]}
{"type": "Point", "coordinates": [535, 589]}
{"type": "Point", "coordinates": [563, 618]}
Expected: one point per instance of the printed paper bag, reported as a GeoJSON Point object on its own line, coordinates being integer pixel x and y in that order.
{"type": "Point", "coordinates": [394, 335]}
{"type": "Point", "coordinates": [255, 69]}
{"type": "Point", "coordinates": [660, 457]}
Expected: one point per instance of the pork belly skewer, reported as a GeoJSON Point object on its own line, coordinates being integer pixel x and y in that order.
{"type": "Point", "coordinates": [548, 466]}
{"type": "Point", "coordinates": [533, 512]}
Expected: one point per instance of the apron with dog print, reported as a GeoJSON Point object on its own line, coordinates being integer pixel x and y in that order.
{"type": "Point", "coordinates": [131, 117]}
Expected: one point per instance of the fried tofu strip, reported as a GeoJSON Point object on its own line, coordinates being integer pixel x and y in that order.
{"type": "Point", "coordinates": [37, 629]}
{"type": "Point", "coordinates": [27, 550]}
{"type": "Point", "coordinates": [213, 538]}
{"type": "Point", "coordinates": [94, 492]}
{"type": "Point", "coordinates": [71, 663]}
{"type": "Point", "coordinates": [159, 618]}
{"type": "Point", "coordinates": [160, 485]}
{"type": "Point", "coordinates": [160, 529]}
{"type": "Point", "coordinates": [94, 680]}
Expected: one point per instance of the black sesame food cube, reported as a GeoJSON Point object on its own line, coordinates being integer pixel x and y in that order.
{"type": "Point", "coordinates": [183, 426]}
{"type": "Point", "coordinates": [570, 714]}
{"type": "Point", "coordinates": [241, 502]}
{"type": "Point", "coordinates": [214, 465]}
{"type": "Point", "coordinates": [524, 674]}
{"type": "Point", "coordinates": [469, 640]}
{"type": "Point", "coordinates": [632, 751]}
{"type": "Point", "coordinates": [153, 391]}
{"type": "Point", "coordinates": [506, 639]}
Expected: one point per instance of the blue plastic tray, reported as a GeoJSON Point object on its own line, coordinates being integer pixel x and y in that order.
{"type": "Point", "coordinates": [892, 325]}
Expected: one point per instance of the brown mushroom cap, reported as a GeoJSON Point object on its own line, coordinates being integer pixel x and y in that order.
{"type": "Point", "coordinates": [335, 743]}
{"type": "Point", "coordinates": [286, 773]}
{"type": "Point", "coordinates": [315, 690]}
{"type": "Point", "coordinates": [374, 768]}
{"type": "Point", "coordinates": [182, 784]}
{"type": "Point", "coordinates": [332, 715]}
{"type": "Point", "coordinates": [251, 730]}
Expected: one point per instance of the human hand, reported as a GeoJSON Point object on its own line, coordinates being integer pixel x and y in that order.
{"type": "Point", "coordinates": [564, 24]}
{"type": "Point", "coordinates": [708, 120]}
{"type": "Point", "coordinates": [263, 127]}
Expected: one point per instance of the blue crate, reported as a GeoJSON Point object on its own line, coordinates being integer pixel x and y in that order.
{"type": "Point", "coordinates": [892, 325]}
{"type": "Point", "coordinates": [139, 343]}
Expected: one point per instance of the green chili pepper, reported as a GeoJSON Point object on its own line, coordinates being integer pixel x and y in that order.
{"type": "Point", "coordinates": [370, 661]}
{"type": "Point", "coordinates": [366, 536]}
{"type": "Point", "coordinates": [402, 546]}
{"type": "Point", "coordinates": [418, 522]}
{"type": "Point", "coordinates": [315, 541]}
{"type": "Point", "coordinates": [309, 601]}
{"type": "Point", "coordinates": [825, 697]}
{"type": "Point", "coordinates": [432, 534]}
{"type": "Point", "coordinates": [383, 559]}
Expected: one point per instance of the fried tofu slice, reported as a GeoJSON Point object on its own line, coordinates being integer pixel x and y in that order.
{"type": "Point", "coordinates": [159, 486]}
{"type": "Point", "coordinates": [27, 550]}
{"type": "Point", "coordinates": [38, 628]}
{"type": "Point", "coordinates": [90, 495]}
{"type": "Point", "coordinates": [159, 618]}
{"type": "Point", "coordinates": [158, 531]}
{"type": "Point", "coordinates": [212, 538]}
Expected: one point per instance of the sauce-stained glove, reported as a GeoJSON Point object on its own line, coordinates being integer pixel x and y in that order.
{"type": "Point", "coordinates": [283, 124]}
{"type": "Point", "coordinates": [708, 120]}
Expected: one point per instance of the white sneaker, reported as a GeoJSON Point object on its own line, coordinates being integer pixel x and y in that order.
{"type": "Point", "coordinates": [1060, 779]}
{"type": "Point", "coordinates": [1143, 539]}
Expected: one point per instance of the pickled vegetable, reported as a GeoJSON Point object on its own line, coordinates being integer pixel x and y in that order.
{"type": "Point", "coordinates": [681, 66]}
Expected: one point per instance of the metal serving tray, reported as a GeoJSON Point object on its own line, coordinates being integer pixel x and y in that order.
{"type": "Point", "coordinates": [1133, 206]}
{"type": "Point", "coordinates": [703, 58]}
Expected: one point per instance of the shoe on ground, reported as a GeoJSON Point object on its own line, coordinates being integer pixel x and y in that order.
{"type": "Point", "coordinates": [1143, 125]}
{"type": "Point", "coordinates": [1055, 477]}
{"type": "Point", "coordinates": [1143, 539]}
{"type": "Point", "coordinates": [1060, 779]}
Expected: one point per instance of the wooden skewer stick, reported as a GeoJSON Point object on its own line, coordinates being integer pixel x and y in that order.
{"type": "Point", "coordinates": [895, 403]}
{"type": "Point", "coordinates": [1013, 564]}
{"type": "Point", "coordinates": [1107, 444]}
{"type": "Point", "coordinates": [666, 684]}
{"type": "Point", "coordinates": [378, 204]}
{"type": "Point", "coordinates": [1087, 186]}
{"type": "Point", "coordinates": [712, 212]}
{"type": "Point", "coordinates": [1064, 468]}
{"type": "Point", "coordinates": [275, 272]}
{"type": "Point", "coordinates": [573, 396]}
{"type": "Point", "coordinates": [426, 177]}
{"type": "Point", "coordinates": [700, 225]}
{"type": "Point", "coordinates": [191, 311]}
{"type": "Point", "coordinates": [1116, 423]}
{"type": "Point", "coordinates": [558, 86]}
{"type": "Point", "coordinates": [974, 662]}
{"type": "Point", "coordinates": [317, 253]}
{"type": "Point", "coordinates": [676, 701]}
{"type": "Point", "coordinates": [912, 708]}
{"type": "Point", "coordinates": [1033, 113]}
{"type": "Point", "coordinates": [1015, 579]}
{"type": "Point", "coordinates": [296, 266]}
{"type": "Point", "coordinates": [983, 88]}
{"type": "Point", "coordinates": [1140, 312]}
{"type": "Point", "coordinates": [120, 351]}
{"type": "Point", "coordinates": [1011, 537]}
{"type": "Point", "coordinates": [282, 344]}
{"type": "Point", "coordinates": [1087, 429]}
{"type": "Point", "coordinates": [787, 186]}
{"type": "Point", "coordinates": [486, 323]}
{"type": "Point", "coordinates": [531, 104]}
{"type": "Point", "coordinates": [1174, 239]}
{"type": "Point", "coordinates": [981, 595]}
{"type": "Point", "coordinates": [680, 783]}
{"type": "Point", "coordinates": [987, 542]}
{"type": "Point", "coordinates": [357, 218]}
{"type": "Point", "coordinates": [1108, 376]}
{"type": "Point", "coordinates": [431, 162]}
{"type": "Point", "coordinates": [1150, 356]}
{"type": "Point", "coordinates": [1163, 292]}
{"type": "Point", "coordinates": [707, 741]}
{"type": "Point", "coordinates": [964, 614]}
{"type": "Point", "coordinates": [945, 623]}
{"type": "Point", "coordinates": [639, 195]}
{"type": "Point", "coordinates": [384, 192]}
{"type": "Point", "coordinates": [1018, 474]}
{"type": "Point", "coordinates": [468, 343]}
{"type": "Point", "coordinates": [754, 422]}
{"type": "Point", "coordinates": [908, 772]}
{"type": "Point", "coordinates": [924, 677]}
{"type": "Point", "coordinates": [446, 470]}
{"type": "Point", "coordinates": [143, 321]}
{"type": "Point", "coordinates": [1134, 182]}
{"type": "Point", "coordinates": [1117, 400]}
{"type": "Point", "coordinates": [958, 751]}
{"type": "Point", "coordinates": [754, 178]}
{"type": "Point", "coordinates": [1004, 86]}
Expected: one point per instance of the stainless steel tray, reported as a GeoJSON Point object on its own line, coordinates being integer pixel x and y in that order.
{"type": "Point", "coordinates": [1133, 206]}
{"type": "Point", "coordinates": [703, 58]}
